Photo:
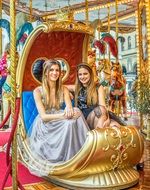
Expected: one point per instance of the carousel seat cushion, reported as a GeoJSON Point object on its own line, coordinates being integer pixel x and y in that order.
{"type": "Point", "coordinates": [28, 108]}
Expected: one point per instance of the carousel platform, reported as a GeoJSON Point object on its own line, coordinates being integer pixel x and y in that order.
{"type": "Point", "coordinates": [24, 176]}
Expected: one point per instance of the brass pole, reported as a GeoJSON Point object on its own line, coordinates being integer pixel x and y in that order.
{"type": "Point", "coordinates": [139, 59]}
{"type": "Point", "coordinates": [13, 88]}
{"type": "Point", "coordinates": [116, 7]}
{"type": "Point", "coordinates": [108, 19]}
{"type": "Point", "coordinates": [99, 30]}
{"type": "Point", "coordinates": [31, 12]}
{"type": "Point", "coordinates": [86, 12]}
{"type": "Point", "coordinates": [99, 24]}
{"type": "Point", "coordinates": [109, 28]}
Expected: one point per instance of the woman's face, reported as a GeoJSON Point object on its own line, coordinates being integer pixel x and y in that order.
{"type": "Point", "coordinates": [54, 73]}
{"type": "Point", "coordinates": [84, 76]}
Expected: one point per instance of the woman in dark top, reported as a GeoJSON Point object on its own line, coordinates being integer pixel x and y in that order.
{"type": "Point", "coordinates": [90, 98]}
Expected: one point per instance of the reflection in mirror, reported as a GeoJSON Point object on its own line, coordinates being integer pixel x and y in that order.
{"type": "Point", "coordinates": [37, 68]}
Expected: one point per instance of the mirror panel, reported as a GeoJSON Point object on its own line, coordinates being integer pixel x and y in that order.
{"type": "Point", "coordinates": [37, 68]}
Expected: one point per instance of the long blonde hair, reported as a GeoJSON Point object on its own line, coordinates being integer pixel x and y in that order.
{"type": "Point", "coordinates": [46, 88]}
{"type": "Point", "coordinates": [92, 95]}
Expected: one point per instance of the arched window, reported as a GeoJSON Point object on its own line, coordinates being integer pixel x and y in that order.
{"type": "Point", "coordinates": [135, 68]}
{"type": "Point", "coordinates": [122, 46]}
{"type": "Point", "coordinates": [124, 70]}
{"type": "Point", "coordinates": [129, 64]}
{"type": "Point", "coordinates": [129, 42]}
{"type": "Point", "coordinates": [129, 86]}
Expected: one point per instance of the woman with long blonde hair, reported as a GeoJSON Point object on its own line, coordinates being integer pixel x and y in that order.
{"type": "Point", "coordinates": [57, 134]}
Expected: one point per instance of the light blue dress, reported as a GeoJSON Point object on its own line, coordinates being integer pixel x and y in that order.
{"type": "Point", "coordinates": [56, 141]}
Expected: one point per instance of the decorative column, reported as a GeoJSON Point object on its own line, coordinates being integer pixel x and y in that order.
{"type": "Point", "coordinates": [144, 62]}
{"type": "Point", "coordinates": [138, 55]}
{"type": "Point", "coordinates": [147, 4]}
{"type": "Point", "coordinates": [13, 88]}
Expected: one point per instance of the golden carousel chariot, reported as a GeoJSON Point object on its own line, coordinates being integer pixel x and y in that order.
{"type": "Point", "coordinates": [108, 157]}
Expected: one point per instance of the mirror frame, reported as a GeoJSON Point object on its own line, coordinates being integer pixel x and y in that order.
{"type": "Point", "coordinates": [45, 59]}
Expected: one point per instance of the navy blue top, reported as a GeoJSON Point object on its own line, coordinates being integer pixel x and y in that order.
{"type": "Point", "coordinates": [82, 102]}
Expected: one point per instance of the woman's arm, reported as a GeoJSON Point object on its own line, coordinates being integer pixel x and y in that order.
{"type": "Point", "coordinates": [41, 109]}
{"type": "Point", "coordinates": [101, 96]}
{"type": "Point", "coordinates": [69, 109]}
{"type": "Point", "coordinates": [105, 121]}
{"type": "Point", "coordinates": [71, 88]}
{"type": "Point", "coordinates": [70, 113]}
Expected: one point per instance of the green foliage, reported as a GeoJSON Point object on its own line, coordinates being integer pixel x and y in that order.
{"type": "Point", "coordinates": [142, 103]}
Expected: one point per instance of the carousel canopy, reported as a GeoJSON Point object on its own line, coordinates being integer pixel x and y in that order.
{"type": "Point", "coordinates": [97, 10]}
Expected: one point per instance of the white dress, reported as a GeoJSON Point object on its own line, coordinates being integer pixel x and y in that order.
{"type": "Point", "coordinates": [55, 141]}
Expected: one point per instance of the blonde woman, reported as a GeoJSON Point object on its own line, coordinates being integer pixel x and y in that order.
{"type": "Point", "coordinates": [57, 135]}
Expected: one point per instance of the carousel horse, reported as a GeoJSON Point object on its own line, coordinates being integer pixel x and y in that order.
{"type": "Point", "coordinates": [117, 90]}
{"type": "Point", "coordinates": [23, 29]}
{"type": "Point", "coordinates": [92, 62]}
{"type": "Point", "coordinates": [104, 72]}
{"type": "Point", "coordinates": [3, 72]}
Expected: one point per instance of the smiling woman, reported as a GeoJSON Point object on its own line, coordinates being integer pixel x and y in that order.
{"type": "Point", "coordinates": [53, 125]}
{"type": "Point", "coordinates": [37, 68]}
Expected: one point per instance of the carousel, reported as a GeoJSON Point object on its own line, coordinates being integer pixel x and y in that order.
{"type": "Point", "coordinates": [73, 32]}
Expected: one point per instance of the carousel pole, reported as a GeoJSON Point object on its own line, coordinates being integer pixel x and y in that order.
{"type": "Point", "coordinates": [86, 39]}
{"type": "Point", "coordinates": [138, 59]}
{"type": "Point", "coordinates": [13, 88]}
{"type": "Point", "coordinates": [86, 12]}
{"type": "Point", "coordinates": [31, 12]}
{"type": "Point", "coordinates": [116, 7]}
{"type": "Point", "coordinates": [99, 31]}
{"type": "Point", "coordinates": [109, 28]}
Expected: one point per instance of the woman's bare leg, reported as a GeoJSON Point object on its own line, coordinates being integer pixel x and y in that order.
{"type": "Point", "coordinates": [97, 117]}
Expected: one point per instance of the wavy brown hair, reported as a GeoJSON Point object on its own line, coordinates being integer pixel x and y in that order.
{"type": "Point", "coordinates": [46, 88]}
{"type": "Point", "coordinates": [92, 95]}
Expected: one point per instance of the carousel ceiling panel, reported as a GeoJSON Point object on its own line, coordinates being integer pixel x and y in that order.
{"type": "Point", "coordinates": [100, 13]}
{"type": "Point", "coordinates": [49, 7]}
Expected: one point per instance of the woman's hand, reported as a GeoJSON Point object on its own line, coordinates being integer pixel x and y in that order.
{"type": "Point", "coordinates": [76, 114]}
{"type": "Point", "coordinates": [106, 122]}
{"type": "Point", "coordinates": [69, 113]}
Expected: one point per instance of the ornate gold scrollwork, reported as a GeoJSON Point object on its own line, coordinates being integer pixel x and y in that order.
{"type": "Point", "coordinates": [118, 141]}
{"type": "Point", "coordinates": [68, 26]}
